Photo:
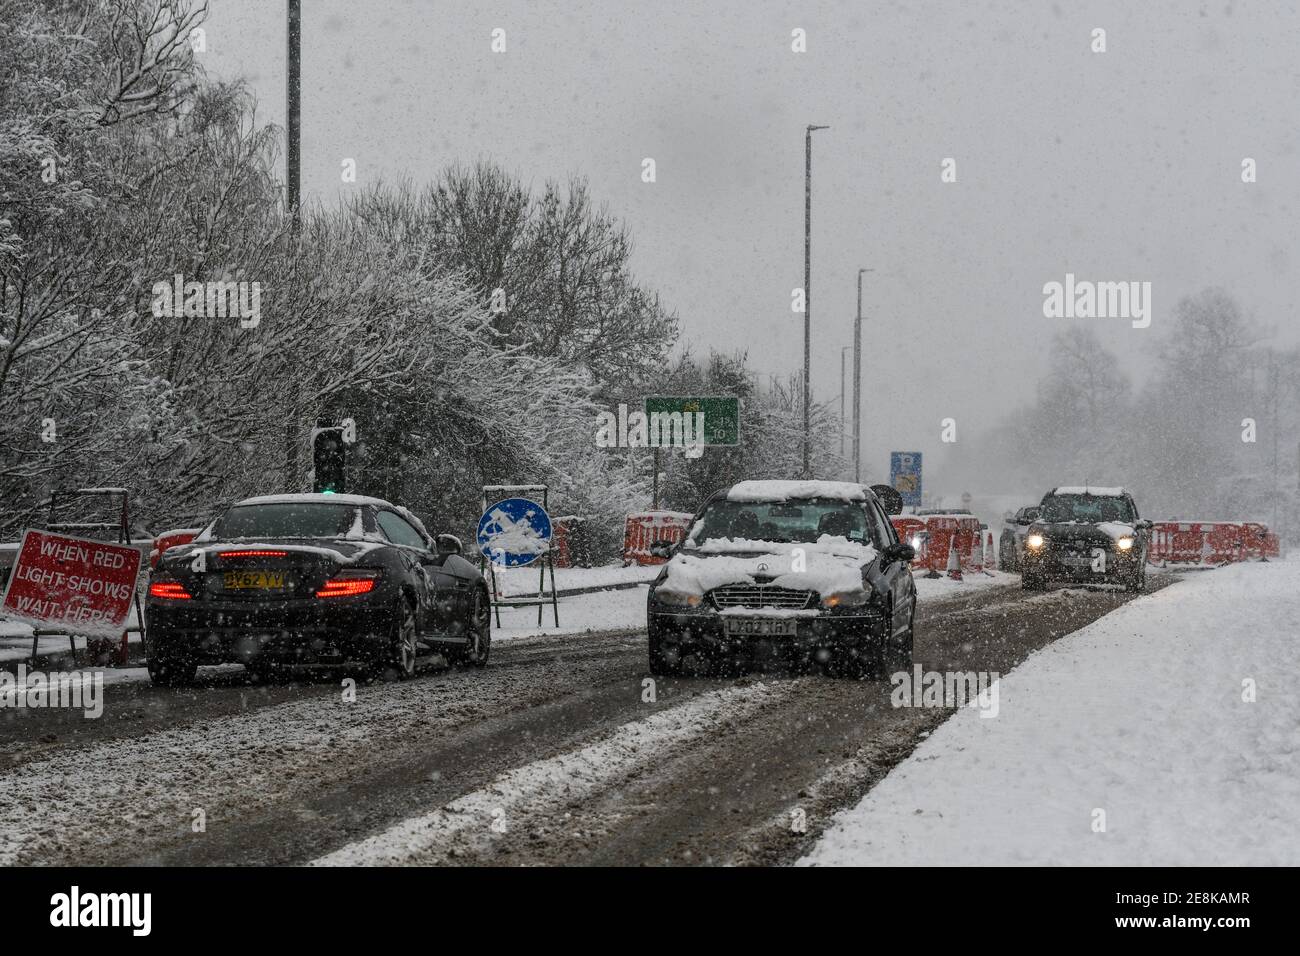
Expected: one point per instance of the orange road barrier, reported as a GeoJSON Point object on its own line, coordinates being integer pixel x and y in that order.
{"type": "Point", "coordinates": [1211, 542]}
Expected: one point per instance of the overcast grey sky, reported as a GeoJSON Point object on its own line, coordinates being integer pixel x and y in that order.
{"type": "Point", "coordinates": [1123, 165]}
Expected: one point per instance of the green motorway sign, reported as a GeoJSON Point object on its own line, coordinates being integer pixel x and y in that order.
{"type": "Point", "coordinates": [721, 414]}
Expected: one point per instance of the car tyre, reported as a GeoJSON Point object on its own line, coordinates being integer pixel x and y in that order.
{"type": "Point", "coordinates": [869, 657]}
{"type": "Point", "coordinates": [398, 660]}
{"type": "Point", "coordinates": [660, 665]}
{"type": "Point", "coordinates": [171, 671]}
{"type": "Point", "coordinates": [478, 628]}
{"type": "Point", "coordinates": [1032, 582]}
{"type": "Point", "coordinates": [898, 655]}
{"type": "Point", "coordinates": [854, 662]}
{"type": "Point", "coordinates": [264, 672]}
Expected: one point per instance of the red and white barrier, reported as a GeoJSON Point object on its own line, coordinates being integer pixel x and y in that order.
{"type": "Point", "coordinates": [645, 528]}
{"type": "Point", "coordinates": [939, 534]}
{"type": "Point", "coordinates": [1211, 542]}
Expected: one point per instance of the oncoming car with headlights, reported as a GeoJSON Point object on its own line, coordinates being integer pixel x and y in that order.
{"type": "Point", "coordinates": [803, 570]}
{"type": "Point", "coordinates": [1089, 535]}
{"type": "Point", "coordinates": [314, 580]}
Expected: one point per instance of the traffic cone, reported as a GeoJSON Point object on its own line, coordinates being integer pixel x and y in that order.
{"type": "Point", "coordinates": [990, 558]}
{"type": "Point", "coordinates": [923, 557]}
{"type": "Point", "coordinates": [931, 570]}
{"type": "Point", "coordinates": [954, 562]}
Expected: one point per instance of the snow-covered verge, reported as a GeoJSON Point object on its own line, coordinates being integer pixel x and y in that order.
{"type": "Point", "coordinates": [1139, 717]}
{"type": "Point", "coordinates": [944, 588]}
{"type": "Point", "coordinates": [524, 580]}
{"type": "Point", "coordinates": [599, 611]}
{"type": "Point", "coordinates": [16, 640]}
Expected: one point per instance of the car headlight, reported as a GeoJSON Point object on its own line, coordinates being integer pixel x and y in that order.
{"type": "Point", "coordinates": [678, 598]}
{"type": "Point", "coordinates": [846, 599]}
{"type": "Point", "coordinates": [1124, 544]}
{"type": "Point", "coordinates": [1034, 541]}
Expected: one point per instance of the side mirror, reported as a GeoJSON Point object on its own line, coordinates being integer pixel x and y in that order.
{"type": "Point", "coordinates": [661, 548]}
{"type": "Point", "coordinates": [1143, 525]}
{"type": "Point", "coordinates": [889, 499]}
{"type": "Point", "coordinates": [447, 544]}
{"type": "Point", "coordinates": [898, 552]}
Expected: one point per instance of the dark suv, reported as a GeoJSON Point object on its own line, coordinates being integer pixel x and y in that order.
{"type": "Point", "coordinates": [1086, 534]}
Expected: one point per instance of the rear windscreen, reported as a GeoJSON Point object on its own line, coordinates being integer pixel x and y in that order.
{"type": "Point", "coordinates": [286, 521]}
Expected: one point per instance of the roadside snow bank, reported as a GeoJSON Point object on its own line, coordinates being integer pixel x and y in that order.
{"type": "Point", "coordinates": [1140, 715]}
{"type": "Point", "coordinates": [945, 588]}
{"type": "Point", "coordinates": [579, 614]}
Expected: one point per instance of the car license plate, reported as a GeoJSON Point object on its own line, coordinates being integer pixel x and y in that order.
{"type": "Point", "coordinates": [759, 627]}
{"type": "Point", "coordinates": [253, 580]}
{"type": "Point", "coordinates": [1077, 560]}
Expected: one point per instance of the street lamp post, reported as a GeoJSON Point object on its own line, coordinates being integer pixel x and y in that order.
{"type": "Point", "coordinates": [292, 123]}
{"type": "Point", "coordinates": [807, 299]}
{"type": "Point", "coordinates": [842, 351]}
{"type": "Point", "coordinates": [857, 384]}
{"type": "Point", "coordinates": [293, 187]}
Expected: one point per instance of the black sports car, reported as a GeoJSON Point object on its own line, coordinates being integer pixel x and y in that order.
{"type": "Point", "coordinates": [314, 580]}
{"type": "Point", "coordinates": [1086, 535]}
{"type": "Point", "coordinates": [806, 570]}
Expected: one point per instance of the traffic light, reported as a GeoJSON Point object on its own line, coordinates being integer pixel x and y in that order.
{"type": "Point", "coordinates": [329, 456]}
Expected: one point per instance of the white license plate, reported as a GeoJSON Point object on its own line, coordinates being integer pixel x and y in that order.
{"type": "Point", "coordinates": [1077, 560]}
{"type": "Point", "coordinates": [759, 627]}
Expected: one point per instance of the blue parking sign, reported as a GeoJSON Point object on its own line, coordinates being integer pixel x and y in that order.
{"type": "Point", "coordinates": [514, 532]}
{"type": "Point", "coordinates": [905, 475]}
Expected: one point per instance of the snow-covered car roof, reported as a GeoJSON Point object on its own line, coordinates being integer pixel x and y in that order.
{"type": "Point", "coordinates": [313, 499]}
{"type": "Point", "coordinates": [1094, 490]}
{"type": "Point", "coordinates": [773, 490]}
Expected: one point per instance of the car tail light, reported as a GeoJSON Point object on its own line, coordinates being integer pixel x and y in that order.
{"type": "Point", "coordinates": [349, 584]}
{"type": "Point", "coordinates": [252, 554]}
{"type": "Point", "coordinates": [169, 590]}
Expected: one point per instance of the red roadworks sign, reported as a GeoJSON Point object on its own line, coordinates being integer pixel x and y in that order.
{"type": "Point", "coordinates": [73, 585]}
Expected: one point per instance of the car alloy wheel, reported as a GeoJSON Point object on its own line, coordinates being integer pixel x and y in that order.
{"type": "Point", "coordinates": [480, 632]}
{"type": "Point", "coordinates": [403, 649]}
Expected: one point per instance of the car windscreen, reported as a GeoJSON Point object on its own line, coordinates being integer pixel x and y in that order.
{"type": "Point", "coordinates": [287, 520]}
{"type": "Point", "coordinates": [803, 521]}
{"type": "Point", "coordinates": [1085, 508]}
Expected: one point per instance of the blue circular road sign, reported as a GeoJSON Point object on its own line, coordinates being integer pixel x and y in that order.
{"type": "Point", "coordinates": [514, 532]}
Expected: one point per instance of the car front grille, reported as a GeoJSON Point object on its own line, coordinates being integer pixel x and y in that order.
{"type": "Point", "coordinates": [759, 595]}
